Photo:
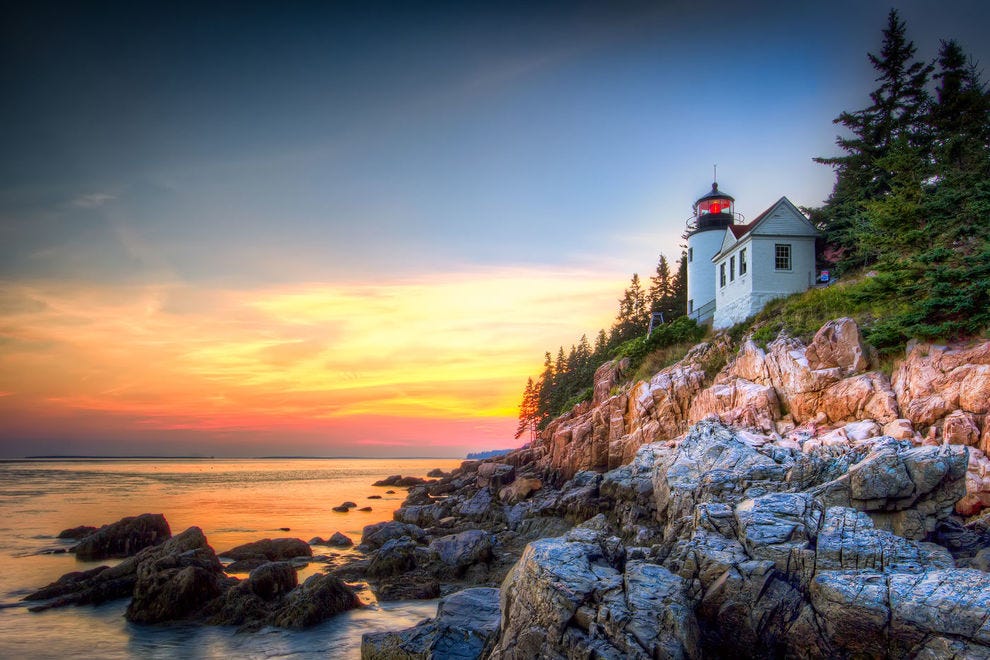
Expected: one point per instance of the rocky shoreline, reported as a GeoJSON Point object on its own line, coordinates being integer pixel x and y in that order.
{"type": "Point", "coordinates": [795, 503]}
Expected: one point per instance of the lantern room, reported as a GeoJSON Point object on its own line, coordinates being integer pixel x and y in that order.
{"type": "Point", "coordinates": [714, 202]}
{"type": "Point", "coordinates": [711, 212]}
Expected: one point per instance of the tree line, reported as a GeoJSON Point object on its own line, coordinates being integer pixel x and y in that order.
{"type": "Point", "coordinates": [911, 200]}
{"type": "Point", "coordinates": [567, 378]}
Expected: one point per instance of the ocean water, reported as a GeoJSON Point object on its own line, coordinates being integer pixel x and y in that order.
{"type": "Point", "coordinates": [234, 501]}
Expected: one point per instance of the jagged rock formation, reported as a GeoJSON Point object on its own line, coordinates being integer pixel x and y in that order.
{"type": "Point", "coordinates": [756, 552]}
{"type": "Point", "coordinates": [792, 395]}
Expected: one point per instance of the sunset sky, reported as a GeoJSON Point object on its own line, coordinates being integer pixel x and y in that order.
{"type": "Point", "coordinates": [296, 229]}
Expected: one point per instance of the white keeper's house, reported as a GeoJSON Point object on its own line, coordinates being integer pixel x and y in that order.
{"type": "Point", "coordinates": [735, 269]}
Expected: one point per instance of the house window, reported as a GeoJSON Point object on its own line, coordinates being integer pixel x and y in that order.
{"type": "Point", "coordinates": [782, 256]}
{"type": "Point", "coordinates": [690, 254]}
{"type": "Point", "coordinates": [732, 268]}
{"type": "Point", "coordinates": [690, 306]}
{"type": "Point", "coordinates": [721, 277]}
{"type": "Point", "coordinates": [742, 261]}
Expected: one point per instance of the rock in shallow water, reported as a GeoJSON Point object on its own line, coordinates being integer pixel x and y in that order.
{"type": "Point", "coordinates": [339, 540]}
{"type": "Point", "coordinates": [464, 628]}
{"type": "Point", "coordinates": [123, 538]}
{"type": "Point", "coordinates": [270, 550]}
{"type": "Point", "coordinates": [107, 583]}
{"type": "Point", "coordinates": [76, 532]}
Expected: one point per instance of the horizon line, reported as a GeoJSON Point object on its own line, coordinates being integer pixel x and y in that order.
{"type": "Point", "coordinates": [201, 457]}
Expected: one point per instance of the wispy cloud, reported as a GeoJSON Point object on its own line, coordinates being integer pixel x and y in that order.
{"type": "Point", "coordinates": [453, 346]}
{"type": "Point", "coordinates": [93, 200]}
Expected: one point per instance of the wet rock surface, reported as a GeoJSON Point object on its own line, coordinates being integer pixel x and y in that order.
{"type": "Point", "coordinates": [122, 538]}
{"type": "Point", "coordinates": [182, 579]}
{"type": "Point", "coordinates": [465, 626]}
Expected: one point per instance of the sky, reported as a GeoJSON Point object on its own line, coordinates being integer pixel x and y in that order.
{"type": "Point", "coordinates": [353, 229]}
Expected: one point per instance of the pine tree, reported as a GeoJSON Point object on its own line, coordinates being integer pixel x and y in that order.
{"type": "Point", "coordinates": [678, 294]}
{"type": "Point", "coordinates": [528, 410]}
{"type": "Point", "coordinates": [888, 150]}
{"type": "Point", "coordinates": [633, 318]}
{"type": "Point", "coordinates": [661, 288]}
{"type": "Point", "coordinates": [545, 391]}
{"type": "Point", "coordinates": [960, 126]}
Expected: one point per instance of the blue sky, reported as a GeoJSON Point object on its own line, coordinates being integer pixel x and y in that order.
{"type": "Point", "coordinates": [252, 148]}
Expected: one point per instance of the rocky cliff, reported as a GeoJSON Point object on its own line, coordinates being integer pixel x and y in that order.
{"type": "Point", "coordinates": [792, 501]}
{"type": "Point", "coordinates": [790, 395]}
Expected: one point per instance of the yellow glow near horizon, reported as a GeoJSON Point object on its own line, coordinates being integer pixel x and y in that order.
{"type": "Point", "coordinates": [445, 346]}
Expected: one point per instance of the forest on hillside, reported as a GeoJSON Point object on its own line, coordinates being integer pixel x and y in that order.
{"type": "Point", "coordinates": [910, 206]}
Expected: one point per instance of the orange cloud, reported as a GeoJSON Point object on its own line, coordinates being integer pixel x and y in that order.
{"type": "Point", "coordinates": [299, 358]}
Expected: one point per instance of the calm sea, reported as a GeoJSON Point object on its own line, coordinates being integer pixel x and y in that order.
{"type": "Point", "coordinates": [234, 501]}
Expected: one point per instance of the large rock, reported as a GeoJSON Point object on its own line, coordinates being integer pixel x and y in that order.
{"type": "Point", "coordinates": [868, 614]}
{"type": "Point", "coordinates": [465, 549]}
{"type": "Point", "coordinates": [933, 381]}
{"type": "Point", "coordinates": [319, 598]}
{"type": "Point", "coordinates": [907, 490]}
{"type": "Point", "coordinates": [270, 550]}
{"type": "Point", "coordinates": [495, 475]}
{"type": "Point", "coordinates": [570, 597]}
{"type": "Point", "coordinates": [124, 538]}
{"type": "Point", "coordinates": [465, 627]}
{"type": "Point", "coordinates": [175, 586]}
{"type": "Point", "coordinates": [397, 556]}
{"type": "Point", "coordinates": [839, 344]}
{"type": "Point", "coordinates": [339, 540]}
{"type": "Point", "coordinates": [519, 490]}
{"type": "Point", "coordinates": [738, 402]}
{"type": "Point", "coordinates": [376, 535]}
{"type": "Point", "coordinates": [107, 583]}
{"type": "Point", "coordinates": [711, 465]}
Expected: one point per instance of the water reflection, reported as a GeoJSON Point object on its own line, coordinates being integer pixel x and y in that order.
{"type": "Point", "coordinates": [233, 501]}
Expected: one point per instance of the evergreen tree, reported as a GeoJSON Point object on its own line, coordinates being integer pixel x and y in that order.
{"type": "Point", "coordinates": [960, 125]}
{"type": "Point", "coordinates": [545, 391]}
{"type": "Point", "coordinates": [585, 366]}
{"type": "Point", "coordinates": [887, 151]}
{"type": "Point", "coordinates": [633, 318]}
{"type": "Point", "coordinates": [528, 410]}
{"type": "Point", "coordinates": [661, 288]}
{"type": "Point", "coordinates": [678, 295]}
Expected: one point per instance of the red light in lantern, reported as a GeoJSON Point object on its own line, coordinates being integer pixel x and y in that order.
{"type": "Point", "coordinates": [716, 207]}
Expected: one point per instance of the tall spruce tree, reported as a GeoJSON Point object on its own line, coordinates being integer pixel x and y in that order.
{"type": "Point", "coordinates": [960, 126]}
{"type": "Point", "coordinates": [661, 288]}
{"type": "Point", "coordinates": [678, 294]}
{"type": "Point", "coordinates": [528, 411]}
{"type": "Point", "coordinates": [888, 151]}
{"type": "Point", "coordinates": [634, 314]}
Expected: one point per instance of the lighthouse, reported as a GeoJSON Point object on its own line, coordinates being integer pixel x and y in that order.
{"type": "Point", "coordinates": [713, 213]}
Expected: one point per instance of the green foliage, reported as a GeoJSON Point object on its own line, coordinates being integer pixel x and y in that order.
{"type": "Point", "coordinates": [945, 294]}
{"type": "Point", "coordinates": [584, 395]}
{"type": "Point", "coordinates": [681, 330]}
{"type": "Point", "coordinates": [802, 314]}
{"type": "Point", "coordinates": [911, 201]}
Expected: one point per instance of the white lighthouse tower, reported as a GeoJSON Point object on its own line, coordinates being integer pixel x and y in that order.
{"type": "Point", "coordinates": [713, 213]}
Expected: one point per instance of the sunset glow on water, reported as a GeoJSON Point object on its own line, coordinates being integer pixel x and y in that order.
{"type": "Point", "coordinates": [234, 501]}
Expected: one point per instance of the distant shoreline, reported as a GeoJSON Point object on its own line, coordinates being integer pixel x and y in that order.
{"type": "Point", "coordinates": [231, 458]}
